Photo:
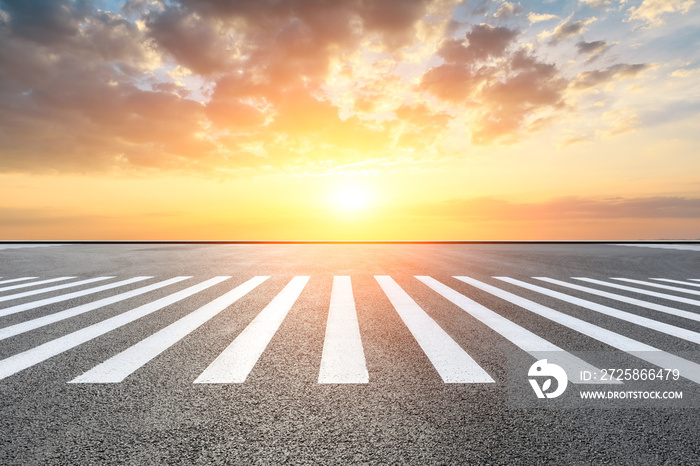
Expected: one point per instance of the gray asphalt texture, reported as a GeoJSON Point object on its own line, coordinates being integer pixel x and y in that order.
{"type": "Point", "coordinates": [281, 415]}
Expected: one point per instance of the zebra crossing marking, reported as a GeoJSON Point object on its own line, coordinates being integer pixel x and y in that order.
{"type": "Point", "coordinates": [14, 280]}
{"type": "Point", "coordinates": [682, 247]}
{"type": "Point", "coordinates": [637, 302]}
{"type": "Point", "coordinates": [32, 324]}
{"type": "Point", "coordinates": [668, 329]}
{"type": "Point", "coordinates": [119, 367]}
{"type": "Point", "coordinates": [640, 291]}
{"type": "Point", "coordinates": [342, 359]}
{"type": "Point", "coordinates": [681, 282]}
{"type": "Point", "coordinates": [52, 288]}
{"type": "Point", "coordinates": [449, 359]}
{"type": "Point", "coordinates": [76, 294]}
{"type": "Point", "coordinates": [658, 285]}
{"type": "Point", "coordinates": [519, 336]}
{"type": "Point", "coordinates": [688, 369]}
{"type": "Point", "coordinates": [19, 246]}
{"type": "Point", "coordinates": [19, 362]}
{"type": "Point", "coordinates": [40, 282]}
{"type": "Point", "coordinates": [236, 362]}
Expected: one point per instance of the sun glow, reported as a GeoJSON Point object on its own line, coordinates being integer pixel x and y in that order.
{"type": "Point", "coordinates": [350, 199]}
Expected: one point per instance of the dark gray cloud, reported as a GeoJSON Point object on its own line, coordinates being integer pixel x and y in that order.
{"type": "Point", "coordinates": [191, 40]}
{"type": "Point", "coordinates": [593, 50]}
{"type": "Point", "coordinates": [46, 21]}
{"type": "Point", "coordinates": [569, 29]}
{"type": "Point", "coordinates": [590, 79]}
{"type": "Point", "coordinates": [591, 47]}
{"type": "Point", "coordinates": [483, 42]}
{"type": "Point", "coordinates": [599, 4]}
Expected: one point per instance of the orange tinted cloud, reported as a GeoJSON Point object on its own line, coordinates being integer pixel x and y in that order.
{"type": "Point", "coordinates": [504, 86]}
{"type": "Point", "coordinates": [489, 208]}
{"type": "Point", "coordinates": [211, 86]}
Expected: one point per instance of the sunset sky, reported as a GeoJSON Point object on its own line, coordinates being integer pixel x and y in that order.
{"type": "Point", "coordinates": [349, 120]}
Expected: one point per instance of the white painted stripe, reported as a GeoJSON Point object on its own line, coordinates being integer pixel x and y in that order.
{"type": "Point", "coordinates": [237, 361]}
{"type": "Point", "coordinates": [688, 369]}
{"type": "Point", "coordinates": [640, 291]}
{"type": "Point", "coordinates": [343, 359]}
{"type": "Point", "coordinates": [685, 247]}
{"type": "Point", "coordinates": [23, 327]}
{"type": "Point", "coordinates": [449, 359]}
{"type": "Point", "coordinates": [658, 285]}
{"type": "Point", "coordinates": [119, 367]}
{"type": "Point", "coordinates": [18, 246]}
{"type": "Point", "coordinates": [52, 288]}
{"type": "Point", "coordinates": [524, 339]}
{"type": "Point", "coordinates": [672, 330]}
{"type": "Point", "coordinates": [40, 282]}
{"type": "Point", "coordinates": [65, 297]}
{"type": "Point", "coordinates": [695, 279]}
{"type": "Point", "coordinates": [41, 353]}
{"type": "Point", "coordinates": [17, 280]}
{"type": "Point", "coordinates": [675, 281]}
{"type": "Point", "coordinates": [637, 302]}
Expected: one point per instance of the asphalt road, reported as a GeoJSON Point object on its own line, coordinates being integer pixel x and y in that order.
{"type": "Point", "coordinates": [402, 413]}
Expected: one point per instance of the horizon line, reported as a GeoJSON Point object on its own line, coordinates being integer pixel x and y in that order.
{"type": "Point", "coordinates": [662, 241]}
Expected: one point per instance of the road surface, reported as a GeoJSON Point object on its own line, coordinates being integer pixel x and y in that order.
{"type": "Point", "coordinates": [343, 353]}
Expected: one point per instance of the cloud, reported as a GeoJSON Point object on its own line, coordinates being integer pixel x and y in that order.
{"type": "Point", "coordinates": [483, 42]}
{"type": "Point", "coordinates": [533, 86]}
{"type": "Point", "coordinates": [46, 21]}
{"type": "Point", "coordinates": [566, 30]}
{"type": "Point", "coordinates": [502, 87]}
{"type": "Point", "coordinates": [539, 17]}
{"type": "Point", "coordinates": [508, 10]}
{"type": "Point", "coordinates": [451, 82]}
{"type": "Point", "coordinates": [593, 49]}
{"type": "Point", "coordinates": [566, 208]}
{"type": "Point", "coordinates": [83, 89]}
{"type": "Point", "coordinates": [600, 4]}
{"type": "Point", "coordinates": [420, 124]}
{"type": "Point", "coordinates": [214, 85]}
{"type": "Point", "coordinates": [619, 122]}
{"type": "Point", "coordinates": [572, 140]}
{"type": "Point", "coordinates": [193, 42]}
{"type": "Point", "coordinates": [685, 73]}
{"type": "Point", "coordinates": [589, 79]}
{"type": "Point", "coordinates": [507, 91]}
{"type": "Point", "coordinates": [19, 218]}
{"type": "Point", "coordinates": [651, 12]}
{"type": "Point", "coordinates": [70, 100]}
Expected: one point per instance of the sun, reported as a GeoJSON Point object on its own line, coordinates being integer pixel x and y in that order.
{"type": "Point", "coordinates": [350, 199]}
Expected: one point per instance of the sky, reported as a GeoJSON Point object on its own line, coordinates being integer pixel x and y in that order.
{"type": "Point", "coordinates": [349, 120]}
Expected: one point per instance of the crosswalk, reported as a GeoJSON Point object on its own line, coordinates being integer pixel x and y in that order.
{"type": "Point", "coordinates": [26, 245]}
{"type": "Point", "coordinates": [32, 304]}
